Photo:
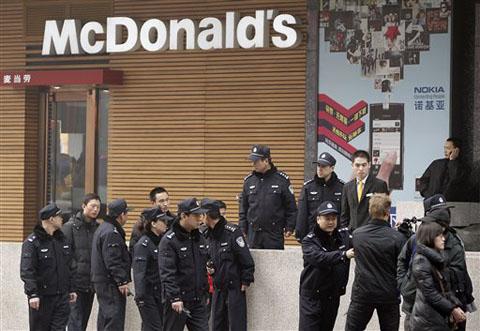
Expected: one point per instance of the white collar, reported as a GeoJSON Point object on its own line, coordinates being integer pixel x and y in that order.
{"type": "Point", "coordinates": [363, 180]}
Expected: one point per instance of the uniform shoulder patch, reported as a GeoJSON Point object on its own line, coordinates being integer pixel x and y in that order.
{"type": "Point", "coordinates": [282, 174]}
{"type": "Point", "coordinates": [240, 241]}
{"type": "Point", "coordinates": [310, 235]}
{"type": "Point", "coordinates": [247, 176]}
{"type": "Point", "coordinates": [145, 243]}
{"type": "Point", "coordinates": [308, 182]}
{"type": "Point", "coordinates": [171, 235]}
{"type": "Point", "coordinates": [231, 227]}
{"type": "Point", "coordinates": [342, 229]}
{"type": "Point", "coordinates": [32, 238]}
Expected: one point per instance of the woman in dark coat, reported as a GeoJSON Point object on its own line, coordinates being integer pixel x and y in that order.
{"type": "Point", "coordinates": [434, 304]}
{"type": "Point", "coordinates": [145, 268]}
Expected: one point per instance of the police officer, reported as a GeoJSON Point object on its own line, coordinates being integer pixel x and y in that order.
{"type": "Point", "coordinates": [326, 259]}
{"type": "Point", "coordinates": [232, 268]}
{"type": "Point", "coordinates": [145, 269]}
{"type": "Point", "coordinates": [79, 231]}
{"type": "Point", "coordinates": [111, 267]}
{"type": "Point", "coordinates": [182, 261]}
{"type": "Point", "coordinates": [325, 186]}
{"type": "Point", "coordinates": [268, 208]}
{"type": "Point", "coordinates": [46, 270]}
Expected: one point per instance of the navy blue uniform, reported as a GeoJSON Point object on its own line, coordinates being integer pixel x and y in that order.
{"type": "Point", "coordinates": [313, 193]}
{"type": "Point", "coordinates": [234, 267]}
{"type": "Point", "coordinates": [324, 277]}
{"type": "Point", "coordinates": [146, 276]}
{"type": "Point", "coordinates": [110, 269]}
{"type": "Point", "coordinates": [182, 261]}
{"type": "Point", "coordinates": [47, 271]}
{"type": "Point", "coordinates": [267, 209]}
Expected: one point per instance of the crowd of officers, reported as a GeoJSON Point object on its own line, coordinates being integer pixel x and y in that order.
{"type": "Point", "coordinates": [193, 269]}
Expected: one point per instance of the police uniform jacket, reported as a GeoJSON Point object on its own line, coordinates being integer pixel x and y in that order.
{"type": "Point", "coordinates": [377, 247]}
{"type": "Point", "coordinates": [145, 266]}
{"type": "Point", "coordinates": [267, 203]}
{"type": "Point", "coordinates": [79, 234]}
{"type": "Point", "coordinates": [110, 258]}
{"type": "Point", "coordinates": [182, 261]}
{"type": "Point", "coordinates": [326, 265]}
{"type": "Point", "coordinates": [314, 192]}
{"type": "Point", "coordinates": [46, 265]}
{"type": "Point", "coordinates": [232, 261]}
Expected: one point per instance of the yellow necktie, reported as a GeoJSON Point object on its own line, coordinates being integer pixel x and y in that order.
{"type": "Point", "coordinates": [359, 190]}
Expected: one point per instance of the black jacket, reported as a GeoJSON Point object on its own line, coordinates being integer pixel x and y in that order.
{"type": "Point", "coordinates": [447, 177]}
{"type": "Point", "coordinates": [355, 214]}
{"type": "Point", "coordinates": [432, 307]}
{"type": "Point", "coordinates": [136, 235]}
{"type": "Point", "coordinates": [325, 263]}
{"type": "Point", "coordinates": [232, 261]}
{"type": "Point", "coordinates": [405, 281]}
{"type": "Point", "coordinates": [110, 258]}
{"type": "Point", "coordinates": [313, 193]}
{"type": "Point", "coordinates": [182, 261]}
{"type": "Point", "coordinates": [79, 233]}
{"type": "Point", "coordinates": [376, 247]}
{"type": "Point", "coordinates": [267, 203]}
{"type": "Point", "coordinates": [46, 264]}
{"type": "Point", "coordinates": [146, 275]}
{"type": "Point", "coordinates": [457, 273]}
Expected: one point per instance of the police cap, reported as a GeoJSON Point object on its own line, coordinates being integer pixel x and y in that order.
{"type": "Point", "coordinates": [155, 214]}
{"type": "Point", "coordinates": [326, 159]}
{"type": "Point", "coordinates": [327, 207]}
{"type": "Point", "coordinates": [190, 206]}
{"type": "Point", "coordinates": [48, 211]}
{"type": "Point", "coordinates": [435, 202]}
{"type": "Point", "coordinates": [259, 152]}
{"type": "Point", "coordinates": [117, 207]}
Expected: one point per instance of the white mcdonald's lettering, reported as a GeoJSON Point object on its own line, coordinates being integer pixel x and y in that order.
{"type": "Point", "coordinates": [155, 35]}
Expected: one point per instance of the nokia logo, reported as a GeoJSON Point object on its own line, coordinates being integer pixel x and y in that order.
{"type": "Point", "coordinates": [428, 89]}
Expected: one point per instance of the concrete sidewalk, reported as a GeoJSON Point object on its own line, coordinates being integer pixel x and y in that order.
{"type": "Point", "coordinates": [272, 299]}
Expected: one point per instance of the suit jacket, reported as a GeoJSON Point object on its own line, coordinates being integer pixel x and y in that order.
{"type": "Point", "coordinates": [355, 214]}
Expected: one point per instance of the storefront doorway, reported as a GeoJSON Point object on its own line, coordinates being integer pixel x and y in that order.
{"type": "Point", "coordinates": [76, 143]}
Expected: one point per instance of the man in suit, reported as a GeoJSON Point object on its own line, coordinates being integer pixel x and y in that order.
{"type": "Point", "coordinates": [357, 192]}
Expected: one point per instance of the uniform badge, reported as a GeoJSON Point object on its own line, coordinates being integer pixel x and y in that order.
{"type": "Point", "coordinates": [183, 249]}
{"type": "Point", "coordinates": [290, 188]}
{"type": "Point", "coordinates": [240, 242]}
{"type": "Point", "coordinates": [329, 205]}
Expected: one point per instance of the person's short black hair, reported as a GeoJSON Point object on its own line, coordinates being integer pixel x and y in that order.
{"type": "Point", "coordinates": [155, 191]}
{"type": "Point", "coordinates": [221, 204]}
{"type": "Point", "coordinates": [427, 232]}
{"type": "Point", "coordinates": [360, 153]}
{"type": "Point", "coordinates": [89, 197]}
{"type": "Point", "coordinates": [214, 214]}
{"type": "Point", "coordinates": [455, 141]}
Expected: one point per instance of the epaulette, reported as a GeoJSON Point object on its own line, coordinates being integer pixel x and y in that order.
{"type": "Point", "coordinates": [308, 182]}
{"type": "Point", "coordinates": [310, 235]}
{"type": "Point", "coordinates": [284, 175]}
{"type": "Point", "coordinates": [145, 243]}
{"type": "Point", "coordinates": [248, 176]}
{"type": "Point", "coordinates": [171, 235]}
{"type": "Point", "coordinates": [231, 227]}
{"type": "Point", "coordinates": [32, 238]}
{"type": "Point", "coordinates": [341, 181]}
{"type": "Point", "coordinates": [115, 230]}
{"type": "Point", "coordinates": [343, 229]}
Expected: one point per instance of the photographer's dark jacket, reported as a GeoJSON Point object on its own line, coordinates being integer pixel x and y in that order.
{"type": "Point", "coordinates": [232, 261]}
{"type": "Point", "coordinates": [182, 261]}
{"type": "Point", "coordinates": [432, 306]}
{"type": "Point", "coordinates": [46, 264]}
{"type": "Point", "coordinates": [146, 275]}
{"type": "Point", "coordinates": [377, 247]}
{"type": "Point", "coordinates": [313, 193]}
{"type": "Point", "coordinates": [325, 263]}
{"type": "Point", "coordinates": [267, 203]}
{"type": "Point", "coordinates": [405, 280]}
{"type": "Point", "coordinates": [447, 177]}
{"type": "Point", "coordinates": [79, 234]}
{"type": "Point", "coordinates": [110, 257]}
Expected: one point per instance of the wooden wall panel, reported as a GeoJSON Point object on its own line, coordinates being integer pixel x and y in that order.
{"type": "Point", "coordinates": [12, 126]}
{"type": "Point", "coordinates": [187, 119]}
